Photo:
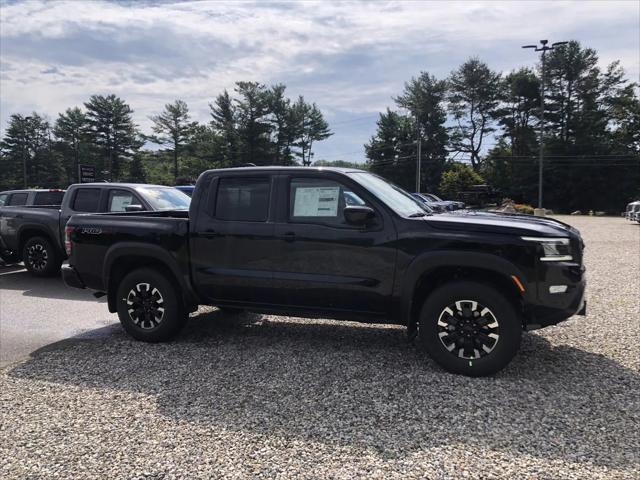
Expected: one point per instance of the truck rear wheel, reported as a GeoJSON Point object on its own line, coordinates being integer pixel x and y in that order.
{"type": "Point", "coordinates": [40, 257]}
{"type": "Point", "coordinates": [469, 328]}
{"type": "Point", "coordinates": [148, 306]}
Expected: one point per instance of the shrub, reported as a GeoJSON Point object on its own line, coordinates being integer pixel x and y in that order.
{"type": "Point", "coordinates": [458, 178]}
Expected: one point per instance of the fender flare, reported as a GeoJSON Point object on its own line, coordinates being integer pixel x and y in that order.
{"type": "Point", "coordinates": [145, 250]}
{"type": "Point", "coordinates": [42, 231]}
{"type": "Point", "coordinates": [430, 261]}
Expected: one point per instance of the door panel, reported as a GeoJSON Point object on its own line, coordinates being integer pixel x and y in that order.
{"type": "Point", "coordinates": [322, 262]}
{"type": "Point", "coordinates": [231, 248]}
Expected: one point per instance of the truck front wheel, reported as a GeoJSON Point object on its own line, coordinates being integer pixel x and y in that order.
{"type": "Point", "coordinates": [469, 328]}
{"type": "Point", "coordinates": [40, 257]}
{"type": "Point", "coordinates": [148, 306]}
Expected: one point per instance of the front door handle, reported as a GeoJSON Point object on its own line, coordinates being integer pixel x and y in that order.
{"type": "Point", "coordinates": [209, 233]}
{"type": "Point", "coordinates": [289, 237]}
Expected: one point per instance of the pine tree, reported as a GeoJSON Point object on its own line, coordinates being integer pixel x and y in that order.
{"type": "Point", "coordinates": [112, 132]}
{"type": "Point", "coordinates": [172, 127]}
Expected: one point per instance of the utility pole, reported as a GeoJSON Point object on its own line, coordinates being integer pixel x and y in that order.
{"type": "Point", "coordinates": [542, 48]}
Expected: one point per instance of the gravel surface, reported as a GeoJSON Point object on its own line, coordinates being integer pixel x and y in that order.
{"type": "Point", "coordinates": [279, 397]}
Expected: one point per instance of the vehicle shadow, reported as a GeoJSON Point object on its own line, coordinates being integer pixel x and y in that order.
{"type": "Point", "coordinates": [47, 287]}
{"type": "Point", "coordinates": [363, 385]}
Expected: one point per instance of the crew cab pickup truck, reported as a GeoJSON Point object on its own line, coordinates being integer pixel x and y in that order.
{"type": "Point", "coordinates": [35, 233]}
{"type": "Point", "coordinates": [36, 196]}
{"type": "Point", "coordinates": [334, 243]}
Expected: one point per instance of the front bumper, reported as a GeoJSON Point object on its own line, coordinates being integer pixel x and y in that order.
{"type": "Point", "coordinates": [553, 308]}
{"type": "Point", "coordinates": [71, 277]}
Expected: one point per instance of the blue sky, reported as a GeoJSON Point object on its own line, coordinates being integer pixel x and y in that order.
{"type": "Point", "coordinates": [350, 58]}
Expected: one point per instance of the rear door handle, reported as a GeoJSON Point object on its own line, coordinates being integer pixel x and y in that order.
{"type": "Point", "coordinates": [289, 237]}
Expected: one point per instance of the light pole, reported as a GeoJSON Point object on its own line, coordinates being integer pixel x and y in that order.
{"type": "Point", "coordinates": [542, 48]}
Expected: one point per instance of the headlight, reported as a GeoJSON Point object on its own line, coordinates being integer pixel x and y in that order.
{"type": "Point", "coordinates": [555, 249]}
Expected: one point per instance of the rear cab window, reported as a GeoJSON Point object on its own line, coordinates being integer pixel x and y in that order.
{"type": "Point", "coordinates": [17, 199]}
{"type": "Point", "coordinates": [244, 199]}
{"type": "Point", "coordinates": [86, 200]}
{"type": "Point", "coordinates": [48, 198]}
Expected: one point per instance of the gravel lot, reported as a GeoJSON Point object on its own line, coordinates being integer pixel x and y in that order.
{"type": "Point", "coordinates": [279, 397]}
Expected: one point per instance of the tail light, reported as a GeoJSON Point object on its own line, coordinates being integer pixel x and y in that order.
{"type": "Point", "coordinates": [68, 231]}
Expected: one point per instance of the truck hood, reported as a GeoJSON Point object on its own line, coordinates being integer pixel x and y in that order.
{"type": "Point", "coordinates": [506, 223]}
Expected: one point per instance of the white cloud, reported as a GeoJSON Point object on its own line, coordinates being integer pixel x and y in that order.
{"type": "Point", "coordinates": [350, 58]}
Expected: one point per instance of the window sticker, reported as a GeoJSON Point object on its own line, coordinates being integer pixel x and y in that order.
{"type": "Point", "coordinates": [120, 202]}
{"type": "Point", "coordinates": [316, 202]}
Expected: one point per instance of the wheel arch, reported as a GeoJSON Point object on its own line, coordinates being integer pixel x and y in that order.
{"type": "Point", "coordinates": [429, 271]}
{"type": "Point", "coordinates": [27, 232]}
{"type": "Point", "coordinates": [128, 256]}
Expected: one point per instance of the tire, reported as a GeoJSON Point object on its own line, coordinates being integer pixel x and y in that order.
{"type": "Point", "coordinates": [469, 328]}
{"type": "Point", "coordinates": [41, 258]}
{"type": "Point", "coordinates": [161, 314]}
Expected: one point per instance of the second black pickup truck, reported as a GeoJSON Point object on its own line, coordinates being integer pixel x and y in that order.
{"type": "Point", "coordinates": [34, 233]}
{"type": "Point", "coordinates": [336, 243]}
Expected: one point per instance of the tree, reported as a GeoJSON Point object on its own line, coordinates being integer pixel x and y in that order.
{"type": "Point", "coordinates": [519, 110]}
{"type": "Point", "coordinates": [27, 158]}
{"type": "Point", "coordinates": [224, 123]}
{"type": "Point", "coordinates": [112, 131]}
{"type": "Point", "coordinates": [313, 127]}
{"type": "Point", "coordinates": [474, 94]}
{"type": "Point", "coordinates": [252, 108]}
{"type": "Point", "coordinates": [71, 131]}
{"type": "Point", "coordinates": [423, 97]}
{"type": "Point", "coordinates": [172, 127]}
{"type": "Point", "coordinates": [391, 151]}
{"type": "Point", "coordinates": [458, 178]}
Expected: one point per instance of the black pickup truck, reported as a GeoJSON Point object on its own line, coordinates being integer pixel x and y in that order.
{"type": "Point", "coordinates": [337, 243]}
{"type": "Point", "coordinates": [35, 233]}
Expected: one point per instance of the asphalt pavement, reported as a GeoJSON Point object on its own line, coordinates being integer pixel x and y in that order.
{"type": "Point", "coordinates": [39, 312]}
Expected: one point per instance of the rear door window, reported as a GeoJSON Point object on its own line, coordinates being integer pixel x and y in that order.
{"type": "Point", "coordinates": [87, 200]}
{"type": "Point", "coordinates": [243, 199]}
{"type": "Point", "coordinates": [48, 198]}
{"type": "Point", "coordinates": [18, 199]}
{"type": "Point", "coordinates": [119, 200]}
{"type": "Point", "coordinates": [3, 199]}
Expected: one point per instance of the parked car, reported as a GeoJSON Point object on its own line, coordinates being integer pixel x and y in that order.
{"type": "Point", "coordinates": [35, 234]}
{"type": "Point", "coordinates": [439, 204]}
{"type": "Point", "coordinates": [632, 210]}
{"type": "Point", "coordinates": [452, 204]}
{"type": "Point", "coordinates": [435, 207]}
{"type": "Point", "coordinates": [284, 240]}
{"type": "Point", "coordinates": [29, 197]}
{"type": "Point", "coordinates": [187, 189]}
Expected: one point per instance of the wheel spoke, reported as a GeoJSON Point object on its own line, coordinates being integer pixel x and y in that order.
{"type": "Point", "coordinates": [468, 329]}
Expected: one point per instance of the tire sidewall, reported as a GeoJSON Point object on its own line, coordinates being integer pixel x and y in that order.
{"type": "Point", "coordinates": [174, 317]}
{"type": "Point", "coordinates": [509, 321]}
{"type": "Point", "coordinates": [53, 262]}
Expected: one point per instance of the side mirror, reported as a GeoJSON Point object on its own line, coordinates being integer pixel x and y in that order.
{"type": "Point", "coordinates": [134, 208]}
{"type": "Point", "coordinates": [358, 214]}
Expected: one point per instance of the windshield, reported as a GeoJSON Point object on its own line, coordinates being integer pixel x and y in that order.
{"type": "Point", "coordinates": [433, 197]}
{"type": "Point", "coordinates": [165, 198]}
{"type": "Point", "coordinates": [397, 199]}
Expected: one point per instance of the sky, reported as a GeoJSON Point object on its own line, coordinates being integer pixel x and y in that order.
{"type": "Point", "coordinates": [350, 58]}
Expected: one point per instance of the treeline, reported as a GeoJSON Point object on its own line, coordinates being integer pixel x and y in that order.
{"type": "Point", "coordinates": [254, 124]}
{"type": "Point", "coordinates": [481, 126]}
